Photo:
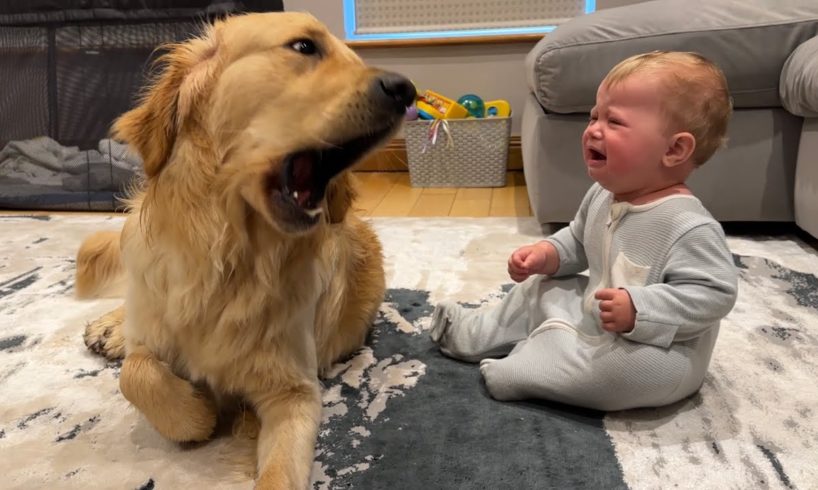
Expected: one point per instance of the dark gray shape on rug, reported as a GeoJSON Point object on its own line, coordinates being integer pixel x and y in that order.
{"type": "Point", "coordinates": [19, 283]}
{"type": "Point", "coordinates": [9, 343]}
{"type": "Point", "coordinates": [803, 286]}
{"type": "Point", "coordinates": [447, 432]}
{"type": "Point", "coordinates": [87, 425]}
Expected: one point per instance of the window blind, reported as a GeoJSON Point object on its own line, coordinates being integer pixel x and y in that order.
{"type": "Point", "coordinates": [374, 17]}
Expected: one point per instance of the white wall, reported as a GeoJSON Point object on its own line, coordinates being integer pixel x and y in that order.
{"type": "Point", "coordinates": [492, 71]}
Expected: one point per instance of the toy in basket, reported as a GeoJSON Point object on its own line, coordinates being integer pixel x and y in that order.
{"type": "Point", "coordinates": [477, 108]}
{"type": "Point", "coordinates": [457, 143]}
{"type": "Point", "coordinates": [432, 105]}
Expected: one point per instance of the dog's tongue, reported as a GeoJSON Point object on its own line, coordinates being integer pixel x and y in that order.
{"type": "Point", "coordinates": [302, 166]}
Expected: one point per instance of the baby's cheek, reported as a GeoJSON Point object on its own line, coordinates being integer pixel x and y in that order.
{"type": "Point", "coordinates": [619, 167]}
{"type": "Point", "coordinates": [624, 164]}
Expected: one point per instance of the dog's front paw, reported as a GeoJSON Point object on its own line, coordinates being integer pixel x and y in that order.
{"type": "Point", "coordinates": [104, 335]}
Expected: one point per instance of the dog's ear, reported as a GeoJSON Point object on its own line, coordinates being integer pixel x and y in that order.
{"type": "Point", "coordinates": [184, 73]}
{"type": "Point", "coordinates": [341, 193]}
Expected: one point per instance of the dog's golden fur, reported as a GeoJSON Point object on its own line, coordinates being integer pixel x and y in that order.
{"type": "Point", "coordinates": [231, 291]}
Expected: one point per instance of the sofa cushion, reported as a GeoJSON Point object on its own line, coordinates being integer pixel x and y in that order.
{"type": "Point", "coordinates": [749, 39]}
{"type": "Point", "coordinates": [799, 80]}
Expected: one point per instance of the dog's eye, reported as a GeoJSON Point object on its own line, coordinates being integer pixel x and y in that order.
{"type": "Point", "coordinates": [304, 46]}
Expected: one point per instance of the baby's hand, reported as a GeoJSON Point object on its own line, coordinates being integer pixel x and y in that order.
{"type": "Point", "coordinates": [527, 261]}
{"type": "Point", "coordinates": [616, 310]}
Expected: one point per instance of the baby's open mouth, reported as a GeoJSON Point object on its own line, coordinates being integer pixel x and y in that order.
{"type": "Point", "coordinates": [595, 158]}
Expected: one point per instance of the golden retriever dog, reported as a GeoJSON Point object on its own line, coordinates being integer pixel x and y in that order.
{"type": "Point", "coordinates": [246, 275]}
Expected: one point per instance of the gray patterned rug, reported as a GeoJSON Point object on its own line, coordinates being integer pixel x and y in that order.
{"type": "Point", "coordinates": [398, 414]}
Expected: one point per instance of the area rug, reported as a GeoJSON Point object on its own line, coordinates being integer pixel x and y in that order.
{"type": "Point", "coordinates": [398, 414]}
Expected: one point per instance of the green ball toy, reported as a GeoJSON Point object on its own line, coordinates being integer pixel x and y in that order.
{"type": "Point", "coordinates": [473, 104]}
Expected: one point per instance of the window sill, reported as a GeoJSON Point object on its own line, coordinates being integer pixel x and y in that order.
{"type": "Point", "coordinates": [445, 41]}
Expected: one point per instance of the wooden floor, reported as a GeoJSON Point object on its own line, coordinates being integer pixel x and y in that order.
{"type": "Point", "coordinates": [390, 194]}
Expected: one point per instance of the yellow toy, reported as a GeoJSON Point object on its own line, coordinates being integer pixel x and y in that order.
{"type": "Point", "coordinates": [498, 108]}
{"type": "Point", "coordinates": [432, 105]}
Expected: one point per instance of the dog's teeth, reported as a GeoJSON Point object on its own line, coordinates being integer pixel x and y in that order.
{"type": "Point", "coordinates": [295, 194]}
{"type": "Point", "coordinates": [313, 212]}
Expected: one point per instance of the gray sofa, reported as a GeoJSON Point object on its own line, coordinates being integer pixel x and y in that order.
{"type": "Point", "coordinates": [768, 50]}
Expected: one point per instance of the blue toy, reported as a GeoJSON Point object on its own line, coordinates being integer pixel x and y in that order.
{"type": "Point", "coordinates": [474, 104]}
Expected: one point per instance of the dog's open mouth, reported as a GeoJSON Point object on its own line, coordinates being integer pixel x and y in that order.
{"type": "Point", "coordinates": [299, 189]}
{"type": "Point", "coordinates": [299, 184]}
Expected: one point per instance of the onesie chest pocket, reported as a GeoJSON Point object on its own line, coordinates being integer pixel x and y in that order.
{"type": "Point", "coordinates": [625, 272]}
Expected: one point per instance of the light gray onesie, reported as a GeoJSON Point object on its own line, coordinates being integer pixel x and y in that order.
{"type": "Point", "coordinates": [672, 258]}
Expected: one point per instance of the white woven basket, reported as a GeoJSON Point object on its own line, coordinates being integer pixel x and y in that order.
{"type": "Point", "coordinates": [476, 155]}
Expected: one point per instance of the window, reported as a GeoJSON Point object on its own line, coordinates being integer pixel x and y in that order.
{"type": "Point", "coordinates": [428, 19]}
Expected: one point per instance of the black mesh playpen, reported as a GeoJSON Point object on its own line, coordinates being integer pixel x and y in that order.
{"type": "Point", "coordinates": [68, 68]}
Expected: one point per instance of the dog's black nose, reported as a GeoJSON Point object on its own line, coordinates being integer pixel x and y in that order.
{"type": "Point", "coordinates": [396, 88]}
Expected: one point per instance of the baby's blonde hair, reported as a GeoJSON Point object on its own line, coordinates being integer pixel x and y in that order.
{"type": "Point", "coordinates": [696, 97]}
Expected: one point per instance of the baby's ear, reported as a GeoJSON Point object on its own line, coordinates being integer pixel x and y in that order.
{"type": "Point", "coordinates": [680, 150]}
